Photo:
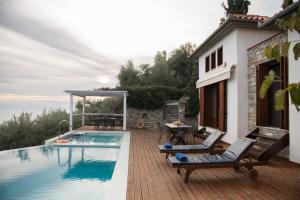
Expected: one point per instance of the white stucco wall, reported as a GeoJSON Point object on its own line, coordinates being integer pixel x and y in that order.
{"type": "Point", "coordinates": [246, 39]}
{"type": "Point", "coordinates": [294, 116]}
{"type": "Point", "coordinates": [229, 44]}
{"type": "Point", "coordinates": [235, 46]}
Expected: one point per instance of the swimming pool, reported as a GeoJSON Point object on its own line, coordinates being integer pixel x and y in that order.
{"type": "Point", "coordinates": [95, 138]}
{"type": "Point", "coordinates": [74, 172]}
{"type": "Point", "coordinates": [89, 139]}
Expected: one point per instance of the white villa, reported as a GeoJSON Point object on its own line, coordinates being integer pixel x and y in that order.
{"type": "Point", "coordinates": [231, 68]}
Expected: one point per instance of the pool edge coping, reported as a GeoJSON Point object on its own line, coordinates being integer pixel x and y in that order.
{"type": "Point", "coordinates": [120, 175]}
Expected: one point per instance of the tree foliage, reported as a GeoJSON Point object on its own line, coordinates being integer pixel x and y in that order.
{"type": "Point", "coordinates": [293, 89]}
{"type": "Point", "coordinates": [277, 52]}
{"type": "Point", "coordinates": [23, 130]}
{"type": "Point", "coordinates": [173, 70]}
{"type": "Point", "coordinates": [286, 3]}
{"type": "Point", "coordinates": [192, 107]}
{"type": "Point", "coordinates": [236, 6]}
{"type": "Point", "coordinates": [128, 75]}
{"type": "Point", "coordinates": [181, 66]}
{"type": "Point", "coordinates": [107, 105]}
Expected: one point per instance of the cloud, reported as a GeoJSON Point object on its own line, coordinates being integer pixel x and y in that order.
{"type": "Point", "coordinates": [52, 45]}
{"type": "Point", "coordinates": [29, 66]}
{"type": "Point", "coordinates": [48, 32]}
{"type": "Point", "coordinates": [40, 56]}
{"type": "Point", "coordinates": [31, 98]}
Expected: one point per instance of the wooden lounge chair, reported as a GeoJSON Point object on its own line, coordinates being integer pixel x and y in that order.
{"type": "Point", "coordinates": [209, 145]}
{"type": "Point", "coordinates": [232, 157]}
{"type": "Point", "coordinates": [202, 133]}
{"type": "Point", "coordinates": [267, 146]}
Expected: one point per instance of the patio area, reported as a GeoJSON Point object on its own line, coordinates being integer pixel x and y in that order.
{"type": "Point", "coordinates": [150, 177]}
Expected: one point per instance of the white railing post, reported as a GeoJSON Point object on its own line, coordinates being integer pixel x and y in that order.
{"type": "Point", "coordinates": [71, 113]}
{"type": "Point", "coordinates": [124, 111]}
{"type": "Point", "coordinates": [83, 112]}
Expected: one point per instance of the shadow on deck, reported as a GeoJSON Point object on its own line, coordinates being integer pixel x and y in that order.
{"type": "Point", "coordinates": [150, 177]}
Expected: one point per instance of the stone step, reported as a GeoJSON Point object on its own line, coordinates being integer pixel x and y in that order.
{"type": "Point", "coordinates": [171, 117]}
{"type": "Point", "coordinates": [170, 114]}
{"type": "Point", "coordinates": [170, 111]}
{"type": "Point", "coordinates": [171, 108]}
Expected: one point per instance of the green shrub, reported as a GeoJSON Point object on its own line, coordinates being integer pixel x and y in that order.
{"type": "Point", "coordinates": [152, 97]}
{"type": "Point", "coordinates": [25, 131]}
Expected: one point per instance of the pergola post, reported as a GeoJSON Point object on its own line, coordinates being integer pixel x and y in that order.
{"type": "Point", "coordinates": [71, 113]}
{"type": "Point", "coordinates": [83, 111]}
{"type": "Point", "coordinates": [124, 111]}
{"type": "Point", "coordinates": [96, 93]}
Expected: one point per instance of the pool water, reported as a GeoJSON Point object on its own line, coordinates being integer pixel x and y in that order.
{"type": "Point", "coordinates": [95, 138]}
{"type": "Point", "coordinates": [47, 172]}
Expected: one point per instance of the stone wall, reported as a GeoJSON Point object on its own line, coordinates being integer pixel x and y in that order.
{"type": "Point", "coordinates": [150, 117]}
{"type": "Point", "coordinates": [193, 121]}
{"type": "Point", "coordinates": [181, 108]}
{"type": "Point", "coordinates": [256, 57]}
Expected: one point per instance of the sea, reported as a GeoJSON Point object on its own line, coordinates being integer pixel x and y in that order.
{"type": "Point", "coordinates": [9, 109]}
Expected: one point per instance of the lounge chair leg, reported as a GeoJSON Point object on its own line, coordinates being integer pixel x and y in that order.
{"type": "Point", "coordinates": [187, 175]}
{"type": "Point", "coordinates": [167, 155]}
{"type": "Point", "coordinates": [253, 174]}
{"type": "Point", "coordinates": [178, 171]}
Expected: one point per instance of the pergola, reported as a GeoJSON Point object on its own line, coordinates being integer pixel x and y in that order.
{"type": "Point", "coordinates": [95, 93]}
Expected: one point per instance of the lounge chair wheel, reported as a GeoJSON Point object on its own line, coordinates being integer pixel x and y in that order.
{"type": "Point", "coordinates": [237, 169]}
{"type": "Point", "coordinates": [253, 174]}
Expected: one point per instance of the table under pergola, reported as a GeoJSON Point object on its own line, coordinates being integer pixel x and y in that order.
{"type": "Point", "coordinates": [95, 93]}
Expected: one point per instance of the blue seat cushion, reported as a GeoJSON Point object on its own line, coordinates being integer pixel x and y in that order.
{"type": "Point", "coordinates": [168, 146]}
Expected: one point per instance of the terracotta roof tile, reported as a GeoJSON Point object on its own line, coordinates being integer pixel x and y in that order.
{"type": "Point", "coordinates": [250, 17]}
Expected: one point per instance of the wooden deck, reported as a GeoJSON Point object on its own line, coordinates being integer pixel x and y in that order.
{"type": "Point", "coordinates": [150, 177]}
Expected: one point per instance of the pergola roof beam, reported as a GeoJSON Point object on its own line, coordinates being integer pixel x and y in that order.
{"type": "Point", "coordinates": [99, 93]}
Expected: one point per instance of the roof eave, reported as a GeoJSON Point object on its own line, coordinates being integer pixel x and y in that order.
{"type": "Point", "coordinates": [281, 14]}
{"type": "Point", "coordinates": [230, 24]}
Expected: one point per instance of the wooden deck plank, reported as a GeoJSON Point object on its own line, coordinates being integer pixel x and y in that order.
{"type": "Point", "coordinates": [179, 187]}
{"type": "Point", "coordinates": [150, 177]}
{"type": "Point", "coordinates": [163, 177]}
{"type": "Point", "coordinates": [161, 189]}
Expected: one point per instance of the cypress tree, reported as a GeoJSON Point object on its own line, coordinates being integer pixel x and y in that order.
{"type": "Point", "coordinates": [286, 3]}
{"type": "Point", "coordinates": [236, 6]}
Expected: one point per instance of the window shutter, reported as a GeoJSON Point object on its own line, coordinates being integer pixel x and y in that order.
{"type": "Point", "coordinates": [284, 84]}
{"type": "Point", "coordinates": [201, 106]}
{"type": "Point", "coordinates": [222, 105]}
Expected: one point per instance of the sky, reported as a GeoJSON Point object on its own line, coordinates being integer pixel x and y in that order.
{"type": "Point", "coordinates": [50, 46]}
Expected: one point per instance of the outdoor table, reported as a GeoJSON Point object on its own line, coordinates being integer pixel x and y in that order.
{"type": "Point", "coordinates": [106, 120]}
{"type": "Point", "coordinates": [178, 132]}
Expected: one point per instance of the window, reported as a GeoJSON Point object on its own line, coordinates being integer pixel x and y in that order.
{"type": "Point", "coordinates": [220, 56]}
{"type": "Point", "coordinates": [274, 116]}
{"type": "Point", "coordinates": [207, 64]}
{"type": "Point", "coordinates": [213, 60]}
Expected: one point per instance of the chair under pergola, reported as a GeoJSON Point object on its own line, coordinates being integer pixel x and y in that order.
{"type": "Point", "coordinates": [95, 93]}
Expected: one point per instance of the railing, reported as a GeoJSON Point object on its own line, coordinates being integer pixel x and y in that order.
{"type": "Point", "coordinates": [91, 119]}
{"type": "Point", "coordinates": [96, 114]}
{"type": "Point", "coordinates": [62, 121]}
